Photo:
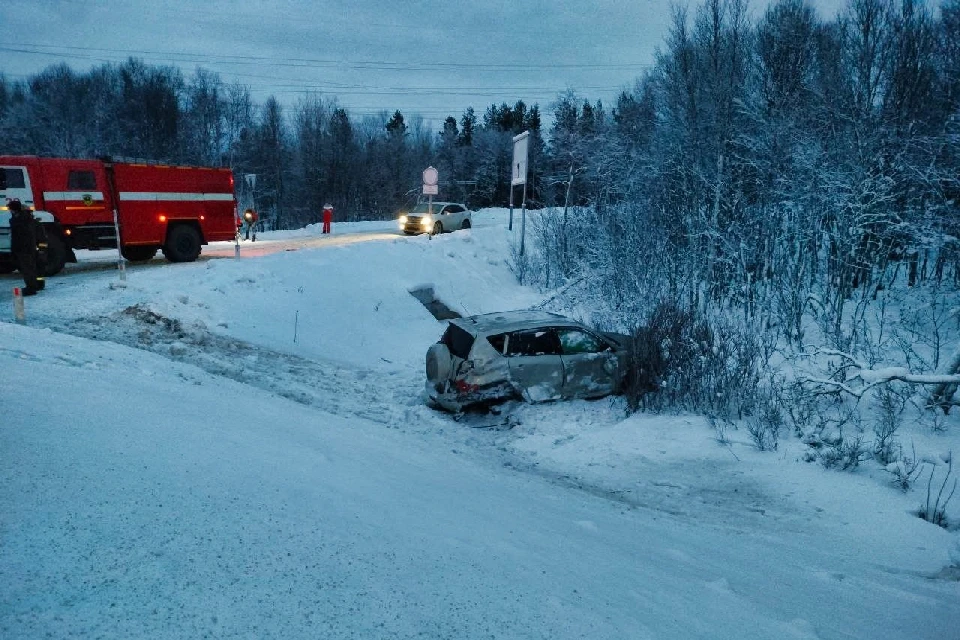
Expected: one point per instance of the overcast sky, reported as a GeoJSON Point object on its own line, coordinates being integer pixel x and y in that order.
{"type": "Point", "coordinates": [429, 57]}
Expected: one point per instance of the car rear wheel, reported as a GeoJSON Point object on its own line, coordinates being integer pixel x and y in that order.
{"type": "Point", "coordinates": [466, 224]}
{"type": "Point", "coordinates": [439, 363]}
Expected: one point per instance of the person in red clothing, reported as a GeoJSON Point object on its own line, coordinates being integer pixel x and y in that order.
{"type": "Point", "coordinates": [327, 217]}
{"type": "Point", "coordinates": [250, 217]}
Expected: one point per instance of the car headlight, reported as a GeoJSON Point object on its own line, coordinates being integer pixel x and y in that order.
{"type": "Point", "coordinates": [403, 219]}
{"type": "Point", "coordinates": [427, 221]}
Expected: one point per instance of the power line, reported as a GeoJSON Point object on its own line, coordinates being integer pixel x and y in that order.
{"type": "Point", "coordinates": [381, 65]}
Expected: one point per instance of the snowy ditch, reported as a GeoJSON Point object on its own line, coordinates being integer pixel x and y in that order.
{"type": "Point", "coordinates": [392, 399]}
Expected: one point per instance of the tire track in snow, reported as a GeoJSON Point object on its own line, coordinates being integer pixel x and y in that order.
{"type": "Point", "coordinates": [382, 396]}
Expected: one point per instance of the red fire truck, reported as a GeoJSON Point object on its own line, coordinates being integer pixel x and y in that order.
{"type": "Point", "coordinates": [173, 209]}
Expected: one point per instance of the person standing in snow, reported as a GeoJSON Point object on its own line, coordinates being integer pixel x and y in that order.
{"type": "Point", "coordinates": [250, 217]}
{"type": "Point", "coordinates": [23, 245]}
{"type": "Point", "coordinates": [327, 217]}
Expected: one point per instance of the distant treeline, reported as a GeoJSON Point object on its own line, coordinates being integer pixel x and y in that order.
{"type": "Point", "coordinates": [303, 157]}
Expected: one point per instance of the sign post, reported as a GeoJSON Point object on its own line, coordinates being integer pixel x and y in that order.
{"type": "Point", "coordinates": [18, 312]}
{"type": "Point", "coordinates": [521, 147]}
{"type": "Point", "coordinates": [430, 187]}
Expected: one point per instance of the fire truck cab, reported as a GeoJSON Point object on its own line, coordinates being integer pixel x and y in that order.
{"type": "Point", "coordinates": [84, 203]}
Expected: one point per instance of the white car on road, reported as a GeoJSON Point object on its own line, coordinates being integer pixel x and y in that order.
{"type": "Point", "coordinates": [435, 218]}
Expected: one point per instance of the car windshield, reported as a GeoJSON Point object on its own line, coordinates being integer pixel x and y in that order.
{"type": "Point", "coordinates": [423, 208]}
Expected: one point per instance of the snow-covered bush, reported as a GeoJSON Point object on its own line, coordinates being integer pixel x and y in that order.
{"type": "Point", "coordinates": [905, 469]}
{"type": "Point", "coordinates": [890, 408]}
{"type": "Point", "coordinates": [764, 427]}
{"type": "Point", "coordinates": [720, 426]}
{"type": "Point", "coordinates": [842, 453]}
{"type": "Point", "coordinates": [682, 361]}
{"type": "Point", "coordinates": [934, 509]}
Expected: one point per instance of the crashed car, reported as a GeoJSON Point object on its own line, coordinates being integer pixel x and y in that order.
{"type": "Point", "coordinates": [529, 355]}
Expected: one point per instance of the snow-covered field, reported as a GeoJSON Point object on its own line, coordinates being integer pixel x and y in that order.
{"type": "Point", "coordinates": [239, 448]}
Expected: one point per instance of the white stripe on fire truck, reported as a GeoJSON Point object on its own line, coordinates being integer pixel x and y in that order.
{"type": "Point", "coordinates": [55, 196]}
{"type": "Point", "coordinates": [171, 197]}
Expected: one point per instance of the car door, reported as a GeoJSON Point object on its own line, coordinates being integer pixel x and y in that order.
{"type": "Point", "coordinates": [448, 218]}
{"type": "Point", "coordinates": [456, 216]}
{"type": "Point", "coordinates": [536, 369]}
{"type": "Point", "coordinates": [589, 363]}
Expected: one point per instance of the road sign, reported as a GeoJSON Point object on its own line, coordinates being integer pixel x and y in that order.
{"type": "Point", "coordinates": [430, 177]}
{"type": "Point", "coordinates": [521, 144]}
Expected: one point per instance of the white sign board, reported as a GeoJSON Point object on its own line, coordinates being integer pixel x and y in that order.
{"type": "Point", "coordinates": [521, 145]}
{"type": "Point", "coordinates": [430, 177]}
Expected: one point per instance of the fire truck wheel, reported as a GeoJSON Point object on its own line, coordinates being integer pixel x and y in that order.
{"type": "Point", "coordinates": [56, 255]}
{"type": "Point", "coordinates": [183, 244]}
{"type": "Point", "coordinates": [138, 253]}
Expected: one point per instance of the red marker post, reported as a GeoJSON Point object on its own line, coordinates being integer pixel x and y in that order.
{"type": "Point", "coordinates": [19, 314]}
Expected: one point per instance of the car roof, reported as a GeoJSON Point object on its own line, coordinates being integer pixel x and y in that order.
{"type": "Point", "coordinates": [503, 321]}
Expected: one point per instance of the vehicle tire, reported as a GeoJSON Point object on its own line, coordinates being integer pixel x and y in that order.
{"type": "Point", "coordinates": [409, 233]}
{"type": "Point", "coordinates": [183, 244]}
{"type": "Point", "coordinates": [437, 228]}
{"type": "Point", "coordinates": [138, 253]}
{"type": "Point", "coordinates": [438, 363]}
{"type": "Point", "coordinates": [466, 224]}
{"type": "Point", "coordinates": [56, 255]}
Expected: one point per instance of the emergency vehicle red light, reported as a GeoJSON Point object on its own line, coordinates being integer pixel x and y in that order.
{"type": "Point", "coordinates": [202, 217]}
{"type": "Point", "coordinates": [163, 218]}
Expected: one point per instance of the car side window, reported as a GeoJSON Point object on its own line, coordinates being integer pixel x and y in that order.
{"type": "Point", "coordinates": [498, 341]}
{"type": "Point", "coordinates": [536, 342]}
{"type": "Point", "coordinates": [454, 209]}
{"type": "Point", "coordinates": [577, 341]}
